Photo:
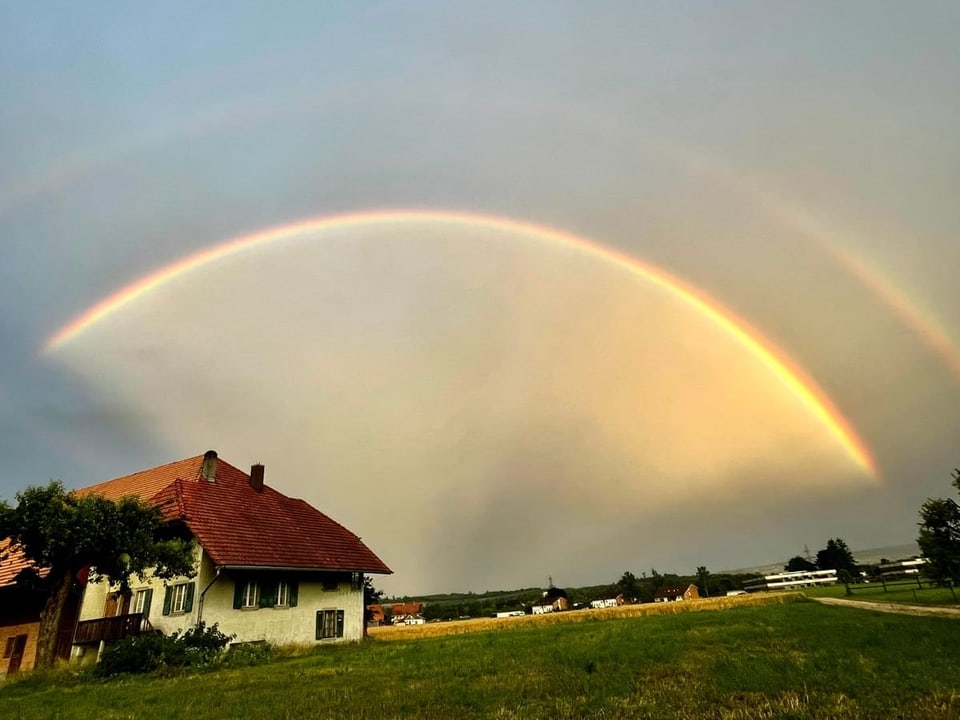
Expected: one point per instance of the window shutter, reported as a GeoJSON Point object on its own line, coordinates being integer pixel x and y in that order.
{"type": "Point", "coordinates": [268, 593]}
{"type": "Point", "coordinates": [294, 587]}
{"type": "Point", "coordinates": [339, 623]}
{"type": "Point", "coordinates": [146, 603]}
{"type": "Point", "coordinates": [167, 599]}
{"type": "Point", "coordinates": [319, 624]}
{"type": "Point", "coordinates": [188, 600]}
{"type": "Point", "coordinates": [238, 585]}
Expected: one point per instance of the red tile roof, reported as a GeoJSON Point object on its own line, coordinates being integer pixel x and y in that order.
{"type": "Point", "coordinates": [147, 483]}
{"type": "Point", "coordinates": [12, 561]}
{"type": "Point", "coordinates": [238, 526]}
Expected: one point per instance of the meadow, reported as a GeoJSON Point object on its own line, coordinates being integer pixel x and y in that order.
{"type": "Point", "coordinates": [900, 592]}
{"type": "Point", "coordinates": [795, 659]}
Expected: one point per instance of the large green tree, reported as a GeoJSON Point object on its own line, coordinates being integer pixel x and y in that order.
{"type": "Point", "coordinates": [939, 538]}
{"type": "Point", "coordinates": [837, 556]}
{"type": "Point", "coordinates": [63, 534]}
{"type": "Point", "coordinates": [629, 586]}
{"type": "Point", "coordinates": [703, 575]}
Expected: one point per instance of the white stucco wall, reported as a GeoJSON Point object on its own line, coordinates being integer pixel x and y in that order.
{"type": "Point", "coordinates": [213, 603]}
{"type": "Point", "coordinates": [285, 625]}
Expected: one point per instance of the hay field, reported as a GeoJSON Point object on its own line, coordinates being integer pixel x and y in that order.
{"type": "Point", "coordinates": [460, 627]}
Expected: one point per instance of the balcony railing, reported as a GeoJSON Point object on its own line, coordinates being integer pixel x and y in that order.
{"type": "Point", "coordinates": [111, 628]}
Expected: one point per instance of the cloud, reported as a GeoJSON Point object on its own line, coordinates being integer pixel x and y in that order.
{"type": "Point", "coordinates": [450, 397]}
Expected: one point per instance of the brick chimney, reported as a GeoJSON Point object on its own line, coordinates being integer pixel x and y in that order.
{"type": "Point", "coordinates": [256, 477]}
{"type": "Point", "coordinates": [208, 471]}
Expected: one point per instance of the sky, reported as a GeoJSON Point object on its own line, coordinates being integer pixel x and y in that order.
{"type": "Point", "coordinates": [513, 291]}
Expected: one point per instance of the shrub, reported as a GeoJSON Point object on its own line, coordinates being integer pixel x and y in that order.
{"type": "Point", "coordinates": [198, 646]}
{"type": "Point", "coordinates": [249, 653]}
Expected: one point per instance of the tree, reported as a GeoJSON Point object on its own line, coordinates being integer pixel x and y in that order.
{"type": "Point", "coordinates": [799, 563]}
{"type": "Point", "coordinates": [837, 556]}
{"type": "Point", "coordinates": [703, 574]}
{"type": "Point", "coordinates": [64, 534]}
{"type": "Point", "coordinates": [371, 596]}
{"type": "Point", "coordinates": [629, 586]}
{"type": "Point", "coordinates": [939, 538]}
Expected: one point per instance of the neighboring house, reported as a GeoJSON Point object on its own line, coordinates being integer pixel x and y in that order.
{"type": "Point", "coordinates": [375, 615]}
{"type": "Point", "coordinates": [607, 602]}
{"type": "Point", "coordinates": [399, 612]}
{"type": "Point", "coordinates": [554, 600]}
{"type": "Point", "coordinates": [269, 567]}
{"type": "Point", "coordinates": [676, 593]}
{"type": "Point", "coordinates": [20, 608]}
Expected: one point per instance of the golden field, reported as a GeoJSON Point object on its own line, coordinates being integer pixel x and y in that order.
{"type": "Point", "coordinates": [460, 627]}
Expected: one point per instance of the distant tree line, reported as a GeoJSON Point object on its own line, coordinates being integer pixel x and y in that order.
{"type": "Point", "coordinates": [939, 537]}
{"type": "Point", "coordinates": [835, 556]}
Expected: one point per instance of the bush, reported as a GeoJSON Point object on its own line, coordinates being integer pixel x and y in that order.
{"type": "Point", "coordinates": [249, 653]}
{"type": "Point", "coordinates": [198, 646]}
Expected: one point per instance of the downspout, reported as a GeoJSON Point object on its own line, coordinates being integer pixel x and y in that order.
{"type": "Point", "coordinates": [204, 592]}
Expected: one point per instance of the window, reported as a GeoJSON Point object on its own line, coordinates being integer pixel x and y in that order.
{"type": "Point", "coordinates": [264, 590]}
{"type": "Point", "coordinates": [141, 601]}
{"type": "Point", "coordinates": [330, 584]}
{"type": "Point", "coordinates": [15, 645]}
{"type": "Point", "coordinates": [329, 624]}
{"type": "Point", "coordinates": [251, 595]}
{"type": "Point", "coordinates": [177, 599]}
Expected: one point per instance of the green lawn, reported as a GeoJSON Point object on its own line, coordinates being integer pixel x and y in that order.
{"type": "Point", "coordinates": [901, 592]}
{"type": "Point", "coordinates": [799, 660]}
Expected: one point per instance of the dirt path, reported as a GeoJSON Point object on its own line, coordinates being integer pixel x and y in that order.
{"type": "Point", "coordinates": [893, 607]}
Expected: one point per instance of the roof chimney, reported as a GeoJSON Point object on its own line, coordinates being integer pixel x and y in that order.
{"type": "Point", "coordinates": [256, 477]}
{"type": "Point", "coordinates": [208, 471]}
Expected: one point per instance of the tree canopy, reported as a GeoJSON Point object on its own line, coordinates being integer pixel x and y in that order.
{"type": "Point", "coordinates": [836, 556]}
{"type": "Point", "coordinates": [64, 534]}
{"type": "Point", "coordinates": [799, 563]}
{"type": "Point", "coordinates": [939, 538]}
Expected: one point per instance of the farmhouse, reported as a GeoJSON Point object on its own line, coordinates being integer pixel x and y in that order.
{"type": "Point", "coordinates": [406, 613]}
{"type": "Point", "coordinates": [607, 602]}
{"type": "Point", "coordinates": [554, 600]}
{"type": "Point", "coordinates": [268, 567]}
{"type": "Point", "coordinates": [676, 593]}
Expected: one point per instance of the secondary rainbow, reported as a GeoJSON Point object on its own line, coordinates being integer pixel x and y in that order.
{"type": "Point", "coordinates": [801, 386]}
{"type": "Point", "coordinates": [922, 321]}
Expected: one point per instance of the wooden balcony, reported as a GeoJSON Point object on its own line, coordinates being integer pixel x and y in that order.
{"type": "Point", "coordinates": [111, 628]}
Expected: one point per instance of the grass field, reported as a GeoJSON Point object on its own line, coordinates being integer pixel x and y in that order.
{"type": "Point", "coordinates": [796, 660]}
{"type": "Point", "coordinates": [904, 593]}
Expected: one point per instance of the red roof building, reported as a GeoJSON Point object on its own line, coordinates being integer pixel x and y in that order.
{"type": "Point", "coordinates": [241, 522]}
{"type": "Point", "coordinates": [269, 567]}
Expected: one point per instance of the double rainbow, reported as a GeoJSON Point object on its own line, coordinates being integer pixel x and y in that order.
{"type": "Point", "coordinates": [800, 385]}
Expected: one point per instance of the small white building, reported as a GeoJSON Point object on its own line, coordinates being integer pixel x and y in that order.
{"type": "Point", "coordinates": [609, 602]}
{"type": "Point", "coordinates": [792, 580]}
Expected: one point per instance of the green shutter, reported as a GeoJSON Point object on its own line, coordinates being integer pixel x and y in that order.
{"type": "Point", "coordinates": [268, 593]}
{"type": "Point", "coordinates": [238, 593]}
{"type": "Point", "coordinates": [167, 599]}
{"type": "Point", "coordinates": [188, 600]}
{"type": "Point", "coordinates": [146, 603]}
{"type": "Point", "coordinates": [319, 624]}
{"type": "Point", "coordinates": [294, 587]}
{"type": "Point", "coordinates": [339, 623]}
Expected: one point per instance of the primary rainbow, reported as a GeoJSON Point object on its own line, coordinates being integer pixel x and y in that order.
{"type": "Point", "coordinates": [803, 387]}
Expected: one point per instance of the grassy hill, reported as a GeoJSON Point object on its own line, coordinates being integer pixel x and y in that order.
{"type": "Point", "coordinates": [797, 660]}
